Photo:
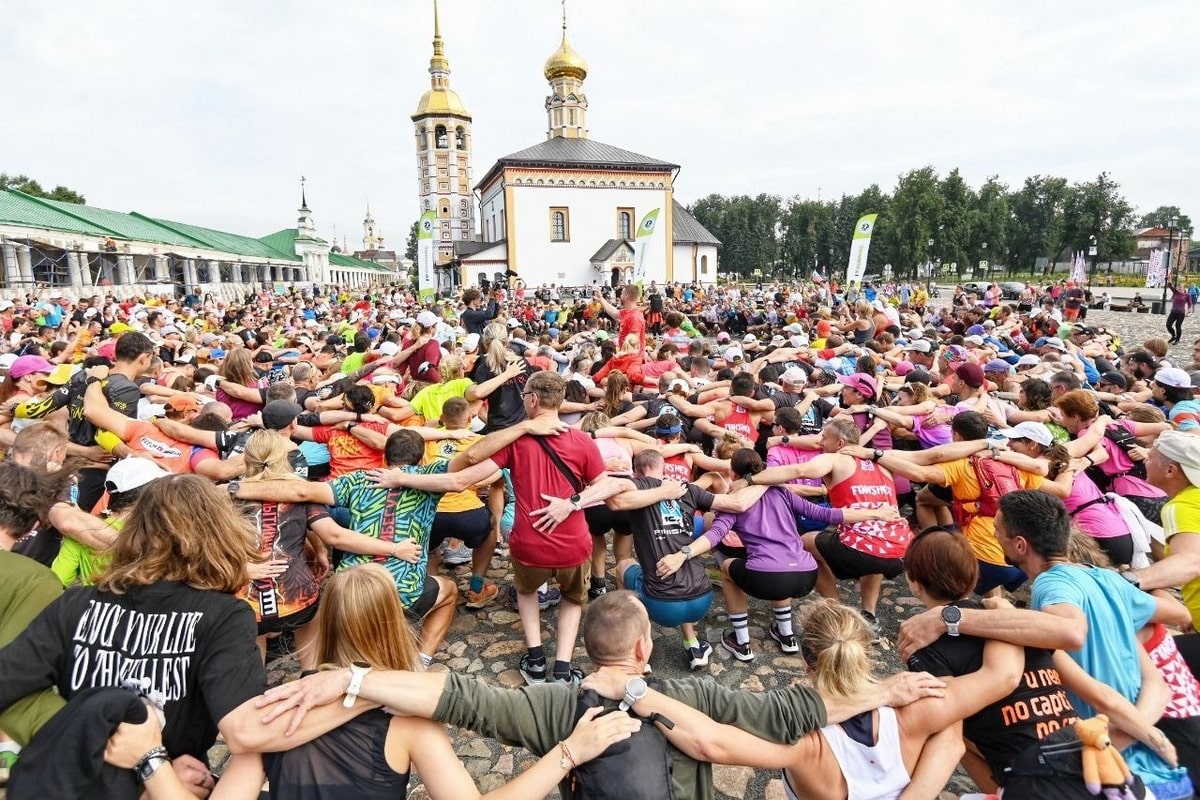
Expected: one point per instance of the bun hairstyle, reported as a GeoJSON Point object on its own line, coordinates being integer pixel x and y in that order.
{"type": "Point", "coordinates": [836, 645]}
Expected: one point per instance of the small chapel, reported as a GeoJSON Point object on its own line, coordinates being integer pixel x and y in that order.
{"type": "Point", "coordinates": [564, 211]}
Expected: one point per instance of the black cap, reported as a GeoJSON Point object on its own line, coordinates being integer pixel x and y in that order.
{"type": "Point", "coordinates": [278, 414]}
{"type": "Point", "coordinates": [919, 376]}
{"type": "Point", "coordinates": [1114, 378]}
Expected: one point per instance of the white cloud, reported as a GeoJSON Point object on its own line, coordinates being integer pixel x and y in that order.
{"type": "Point", "coordinates": [210, 112]}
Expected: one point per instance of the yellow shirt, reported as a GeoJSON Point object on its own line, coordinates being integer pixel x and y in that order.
{"type": "Point", "coordinates": [981, 531]}
{"type": "Point", "coordinates": [429, 401]}
{"type": "Point", "coordinates": [446, 450]}
{"type": "Point", "coordinates": [1181, 514]}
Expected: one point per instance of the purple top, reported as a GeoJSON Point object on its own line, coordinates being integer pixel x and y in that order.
{"type": "Point", "coordinates": [768, 529]}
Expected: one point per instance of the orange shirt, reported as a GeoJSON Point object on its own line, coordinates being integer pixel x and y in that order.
{"type": "Point", "coordinates": [346, 453]}
{"type": "Point", "coordinates": [170, 454]}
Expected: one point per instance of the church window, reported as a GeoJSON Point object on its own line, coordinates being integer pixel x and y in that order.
{"type": "Point", "coordinates": [559, 225]}
{"type": "Point", "coordinates": [460, 138]}
{"type": "Point", "coordinates": [444, 210]}
{"type": "Point", "coordinates": [463, 209]}
{"type": "Point", "coordinates": [446, 235]}
{"type": "Point", "coordinates": [426, 204]}
{"type": "Point", "coordinates": [571, 117]}
{"type": "Point", "coordinates": [439, 134]}
{"type": "Point", "coordinates": [444, 186]}
{"type": "Point", "coordinates": [703, 265]}
{"type": "Point", "coordinates": [624, 223]}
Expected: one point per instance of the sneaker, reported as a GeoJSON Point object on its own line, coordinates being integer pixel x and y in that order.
{"type": "Point", "coordinates": [457, 556]}
{"type": "Point", "coordinates": [484, 596]}
{"type": "Point", "coordinates": [872, 625]}
{"type": "Point", "coordinates": [741, 652]}
{"type": "Point", "coordinates": [597, 588]}
{"type": "Point", "coordinates": [532, 673]}
{"type": "Point", "coordinates": [699, 655]}
{"type": "Point", "coordinates": [547, 599]}
{"type": "Point", "coordinates": [575, 678]}
{"type": "Point", "coordinates": [787, 643]}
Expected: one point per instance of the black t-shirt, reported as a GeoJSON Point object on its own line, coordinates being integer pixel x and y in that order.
{"type": "Point", "coordinates": [504, 406]}
{"type": "Point", "coordinates": [122, 394]}
{"type": "Point", "coordinates": [1035, 709]}
{"type": "Point", "coordinates": [349, 761]}
{"type": "Point", "coordinates": [661, 530]}
{"type": "Point", "coordinates": [656, 302]}
{"type": "Point", "coordinates": [197, 648]}
{"type": "Point", "coordinates": [232, 444]}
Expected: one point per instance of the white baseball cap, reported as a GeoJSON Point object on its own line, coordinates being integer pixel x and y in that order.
{"type": "Point", "coordinates": [1033, 431]}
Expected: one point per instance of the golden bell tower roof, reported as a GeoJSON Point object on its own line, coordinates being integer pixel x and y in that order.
{"type": "Point", "coordinates": [440, 100]}
{"type": "Point", "coordinates": [565, 60]}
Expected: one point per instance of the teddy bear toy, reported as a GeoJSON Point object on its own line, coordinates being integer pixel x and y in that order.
{"type": "Point", "coordinates": [1104, 771]}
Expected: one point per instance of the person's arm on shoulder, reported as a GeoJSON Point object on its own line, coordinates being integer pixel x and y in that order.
{"type": "Point", "coordinates": [490, 445]}
{"type": "Point", "coordinates": [1061, 626]}
{"type": "Point", "coordinates": [74, 523]}
{"type": "Point", "coordinates": [437, 482]}
{"type": "Point", "coordinates": [630, 497]}
{"type": "Point", "coordinates": [216, 469]}
{"type": "Point", "coordinates": [100, 414]}
{"type": "Point", "coordinates": [186, 433]}
{"type": "Point", "coordinates": [285, 491]}
{"type": "Point", "coordinates": [1180, 567]}
{"type": "Point", "coordinates": [247, 394]}
{"type": "Point", "coordinates": [817, 467]}
{"type": "Point", "coordinates": [478, 391]}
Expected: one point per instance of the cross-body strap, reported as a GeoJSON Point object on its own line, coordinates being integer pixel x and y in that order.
{"type": "Point", "coordinates": [572, 478]}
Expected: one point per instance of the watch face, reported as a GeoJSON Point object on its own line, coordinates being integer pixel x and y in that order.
{"type": "Point", "coordinates": [360, 664]}
{"type": "Point", "coordinates": [951, 614]}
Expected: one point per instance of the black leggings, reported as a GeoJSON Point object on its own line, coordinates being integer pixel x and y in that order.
{"type": "Point", "coordinates": [1119, 549]}
{"type": "Point", "coordinates": [1175, 326]}
{"type": "Point", "coordinates": [772, 585]}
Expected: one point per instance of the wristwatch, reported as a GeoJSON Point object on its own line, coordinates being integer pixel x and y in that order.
{"type": "Point", "coordinates": [786, 439]}
{"type": "Point", "coordinates": [358, 671]}
{"type": "Point", "coordinates": [951, 615]}
{"type": "Point", "coordinates": [876, 454]}
{"type": "Point", "coordinates": [686, 550]}
{"type": "Point", "coordinates": [635, 689]}
{"type": "Point", "coordinates": [576, 501]}
{"type": "Point", "coordinates": [150, 763]}
{"type": "Point", "coordinates": [1133, 578]}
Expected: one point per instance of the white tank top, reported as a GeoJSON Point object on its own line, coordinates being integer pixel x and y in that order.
{"type": "Point", "coordinates": [872, 773]}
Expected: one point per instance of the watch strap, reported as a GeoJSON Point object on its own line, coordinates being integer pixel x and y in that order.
{"type": "Point", "coordinates": [150, 763]}
{"type": "Point", "coordinates": [357, 674]}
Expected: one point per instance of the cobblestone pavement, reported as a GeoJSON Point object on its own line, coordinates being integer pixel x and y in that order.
{"type": "Point", "coordinates": [488, 642]}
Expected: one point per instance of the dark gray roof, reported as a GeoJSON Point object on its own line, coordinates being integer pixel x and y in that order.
{"type": "Point", "coordinates": [563, 152]}
{"type": "Point", "coordinates": [686, 229]}
{"type": "Point", "coordinates": [608, 248]}
{"type": "Point", "coordinates": [473, 247]}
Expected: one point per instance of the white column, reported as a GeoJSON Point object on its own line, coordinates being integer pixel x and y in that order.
{"type": "Point", "coordinates": [189, 275]}
{"type": "Point", "coordinates": [161, 272]}
{"type": "Point", "coordinates": [26, 264]}
{"type": "Point", "coordinates": [73, 273]}
{"type": "Point", "coordinates": [214, 275]}
{"type": "Point", "coordinates": [12, 268]}
{"type": "Point", "coordinates": [125, 271]}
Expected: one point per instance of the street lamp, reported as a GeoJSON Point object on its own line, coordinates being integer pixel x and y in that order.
{"type": "Point", "coordinates": [928, 263]}
{"type": "Point", "coordinates": [1094, 252]}
{"type": "Point", "coordinates": [1172, 226]}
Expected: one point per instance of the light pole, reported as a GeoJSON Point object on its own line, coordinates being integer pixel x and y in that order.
{"type": "Point", "coordinates": [1094, 252]}
{"type": "Point", "coordinates": [928, 264]}
{"type": "Point", "coordinates": [986, 266]}
{"type": "Point", "coordinates": [1172, 226]}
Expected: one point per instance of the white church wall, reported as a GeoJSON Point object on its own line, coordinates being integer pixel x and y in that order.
{"type": "Point", "coordinates": [690, 262]}
{"type": "Point", "coordinates": [592, 220]}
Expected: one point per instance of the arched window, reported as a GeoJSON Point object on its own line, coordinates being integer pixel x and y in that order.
{"type": "Point", "coordinates": [558, 225]}
{"type": "Point", "coordinates": [460, 138]}
{"type": "Point", "coordinates": [444, 210]}
{"type": "Point", "coordinates": [439, 135]}
{"type": "Point", "coordinates": [625, 225]}
{"type": "Point", "coordinates": [703, 265]}
{"type": "Point", "coordinates": [463, 209]}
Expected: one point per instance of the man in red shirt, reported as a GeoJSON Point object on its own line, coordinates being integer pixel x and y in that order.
{"type": "Point", "coordinates": [629, 315]}
{"type": "Point", "coordinates": [550, 537]}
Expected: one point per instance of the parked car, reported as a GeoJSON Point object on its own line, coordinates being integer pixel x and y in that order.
{"type": "Point", "coordinates": [976, 287]}
{"type": "Point", "coordinates": [1011, 290]}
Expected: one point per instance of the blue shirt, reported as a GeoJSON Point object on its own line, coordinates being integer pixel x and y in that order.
{"type": "Point", "coordinates": [1115, 611]}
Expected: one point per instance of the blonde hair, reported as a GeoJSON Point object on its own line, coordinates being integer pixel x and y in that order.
{"type": "Point", "coordinates": [837, 644]}
{"type": "Point", "coordinates": [594, 421]}
{"type": "Point", "coordinates": [183, 528]}
{"type": "Point", "coordinates": [450, 368]}
{"type": "Point", "coordinates": [495, 338]}
{"type": "Point", "coordinates": [238, 367]}
{"type": "Point", "coordinates": [361, 619]}
{"type": "Point", "coordinates": [266, 456]}
{"type": "Point", "coordinates": [726, 446]}
{"type": "Point", "coordinates": [1143, 412]}
{"type": "Point", "coordinates": [630, 344]}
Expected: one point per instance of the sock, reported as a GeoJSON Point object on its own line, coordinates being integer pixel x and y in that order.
{"type": "Point", "coordinates": [741, 626]}
{"type": "Point", "coordinates": [545, 587]}
{"type": "Point", "coordinates": [692, 642]}
{"type": "Point", "coordinates": [597, 581]}
{"type": "Point", "coordinates": [783, 620]}
{"type": "Point", "coordinates": [425, 660]}
{"type": "Point", "coordinates": [476, 583]}
{"type": "Point", "coordinates": [562, 669]}
{"type": "Point", "coordinates": [537, 655]}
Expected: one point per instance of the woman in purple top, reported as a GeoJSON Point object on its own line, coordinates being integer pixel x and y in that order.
{"type": "Point", "coordinates": [776, 568]}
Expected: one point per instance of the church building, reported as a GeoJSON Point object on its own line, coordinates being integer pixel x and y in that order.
{"type": "Point", "coordinates": [565, 211]}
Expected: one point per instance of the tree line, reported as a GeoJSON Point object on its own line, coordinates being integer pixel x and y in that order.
{"type": "Point", "coordinates": [934, 219]}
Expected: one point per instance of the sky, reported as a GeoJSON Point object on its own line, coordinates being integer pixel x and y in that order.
{"type": "Point", "coordinates": [209, 112]}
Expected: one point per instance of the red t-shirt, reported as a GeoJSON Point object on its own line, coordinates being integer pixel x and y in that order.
{"type": "Point", "coordinates": [570, 544]}
{"type": "Point", "coordinates": [346, 453]}
{"type": "Point", "coordinates": [632, 321]}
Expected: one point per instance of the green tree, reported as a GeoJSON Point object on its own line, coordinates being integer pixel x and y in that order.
{"type": "Point", "coordinates": [917, 207]}
{"type": "Point", "coordinates": [990, 219]}
{"type": "Point", "coordinates": [746, 227]}
{"type": "Point", "coordinates": [410, 249]}
{"type": "Point", "coordinates": [1097, 211]}
{"type": "Point", "coordinates": [1162, 216]}
{"type": "Point", "coordinates": [808, 231]}
{"type": "Point", "coordinates": [23, 183]}
{"type": "Point", "coordinates": [1037, 219]}
{"type": "Point", "coordinates": [954, 223]}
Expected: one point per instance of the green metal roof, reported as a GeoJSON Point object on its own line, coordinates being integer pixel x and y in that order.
{"type": "Point", "coordinates": [225, 242]}
{"type": "Point", "coordinates": [343, 260]}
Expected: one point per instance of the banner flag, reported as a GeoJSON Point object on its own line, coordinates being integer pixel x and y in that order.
{"type": "Point", "coordinates": [645, 233]}
{"type": "Point", "coordinates": [1156, 272]}
{"type": "Point", "coordinates": [426, 280]}
{"type": "Point", "coordinates": [860, 245]}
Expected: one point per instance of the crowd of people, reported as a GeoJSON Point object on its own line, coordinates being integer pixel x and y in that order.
{"type": "Point", "coordinates": [191, 487]}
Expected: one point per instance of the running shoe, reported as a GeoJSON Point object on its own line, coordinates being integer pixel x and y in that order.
{"type": "Point", "coordinates": [597, 588]}
{"type": "Point", "coordinates": [741, 652]}
{"type": "Point", "coordinates": [547, 599]}
{"type": "Point", "coordinates": [787, 643]}
{"type": "Point", "coordinates": [575, 678]}
{"type": "Point", "coordinates": [699, 655]}
{"type": "Point", "coordinates": [872, 625]}
{"type": "Point", "coordinates": [531, 672]}
{"type": "Point", "coordinates": [457, 556]}
{"type": "Point", "coordinates": [483, 597]}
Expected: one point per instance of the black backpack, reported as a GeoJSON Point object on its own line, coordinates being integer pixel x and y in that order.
{"type": "Point", "coordinates": [638, 768]}
{"type": "Point", "coordinates": [1122, 438]}
{"type": "Point", "coordinates": [1052, 769]}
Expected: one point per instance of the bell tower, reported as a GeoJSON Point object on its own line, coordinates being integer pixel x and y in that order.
{"type": "Point", "coordinates": [371, 238]}
{"type": "Point", "coordinates": [566, 105]}
{"type": "Point", "coordinates": [443, 139]}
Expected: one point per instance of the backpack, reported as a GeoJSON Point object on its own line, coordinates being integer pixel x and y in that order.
{"type": "Point", "coordinates": [1052, 769]}
{"type": "Point", "coordinates": [995, 479]}
{"type": "Point", "coordinates": [638, 768]}
{"type": "Point", "coordinates": [1122, 438]}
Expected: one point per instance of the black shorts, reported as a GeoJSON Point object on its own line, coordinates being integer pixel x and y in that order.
{"type": "Point", "coordinates": [942, 493]}
{"type": "Point", "coordinates": [846, 562]}
{"type": "Point", "coordinates": [471, 526]}
{"type": "Point", "coordinates": [1151, 507]}
{"type": "Point", "coordinates": [729, 551]}
{"type": "Point", "coordinates": [771, 585]}
{"type": "Point", "coordinates": [1185, 735]}
{"type": "Point", "coordinates": [425, 603]}
{"type": "Point", "coordinates": [602, 519]}
{"type": "Point", "coordinates": [289, 623]}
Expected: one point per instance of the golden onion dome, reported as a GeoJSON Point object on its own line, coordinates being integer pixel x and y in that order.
{"type": "Point", "coordinates": [565, 61]}
{"type": "Point", "coordinates": [441, 102]}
